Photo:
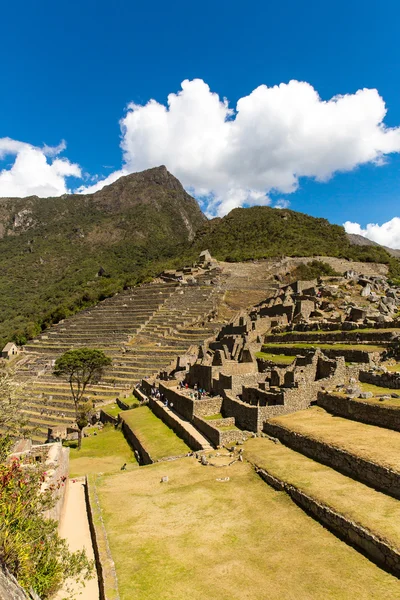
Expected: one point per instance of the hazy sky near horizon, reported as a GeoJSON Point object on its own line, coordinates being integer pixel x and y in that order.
{"type": "Point", "coordinates": [281, 104]}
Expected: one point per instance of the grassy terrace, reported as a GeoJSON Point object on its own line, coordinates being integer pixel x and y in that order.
{"type": "Point", "coordinates": [112, 409]}
{"type": "Point", "coordinates": [332, 346]}
{"type": "Point", "coordinates": [196, 537]}
{"type": "Point", "coordinates": [375, 511]}
{"type": "Point", "coordinates": [102, 453]}
{"type": "Point", "coordinates": [158, 439]}
{"type": "Point", "coordinates": [367, 441]}
{"type": "Point", "coordinates": [276, 358]}
{"type": "Point", "coordinates": [335, 331]}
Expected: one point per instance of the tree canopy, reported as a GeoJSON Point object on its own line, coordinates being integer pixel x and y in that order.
{"type": "Point", "coordinates": [80, 368]}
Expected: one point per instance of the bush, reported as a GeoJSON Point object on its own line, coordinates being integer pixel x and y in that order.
{"type": "Point", "coordinates": [30, 546]}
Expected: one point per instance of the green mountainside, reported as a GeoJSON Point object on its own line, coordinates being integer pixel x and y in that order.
{"type": "Point", "coordinates": [59, 255]}
{"type": "Point", "coordinates": [52, 250]}
{"type": "Point", "coordinates": [264, 232]}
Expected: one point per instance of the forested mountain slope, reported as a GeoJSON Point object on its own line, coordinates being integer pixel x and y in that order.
{"type": "Point", "coordinates": [58, 255]}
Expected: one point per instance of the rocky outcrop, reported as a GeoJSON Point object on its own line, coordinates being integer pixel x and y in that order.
{"type": "Point", "coordinates": [10, 589]}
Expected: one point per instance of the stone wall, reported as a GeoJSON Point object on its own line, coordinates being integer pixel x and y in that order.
{"type": "Point", "coordinates": [105, 418]}
{"type": "Point", "coordinates": [135, 442]}
{"type": "Point", "coordinates": [105, 567]}
{"type": "Point", "coordinates": [182, 404]}
{"type": "Point", "coordinates": [373, 474]}
{"type": "Point", "coordinates": [246, 417]}
{"type": "Point", "coordinates": [168, 419]}
{"type": "Point", "coordinates": [377, 549]}
{"type": "Point", "coordinates": [387, 380]}
{"type": "Point", "coordinates": [357, 410]}
{"type": "Point", "coordinates": [333, 336]}
{"type": "Point", "coordinates": [259, 397]}
{"type": "Point", "coordinates": [350, 355]}
{"type": "Point", "coordinates": [188, 407]}
{"type": "Point", "coordinates": [218, 437]}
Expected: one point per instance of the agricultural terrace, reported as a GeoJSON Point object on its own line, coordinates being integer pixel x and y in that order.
{"type": "Point", "coordinates": [104, 452]}
{"type": "Point", "coordinates": [155, 437]}
{"type": "Point", "coordinates": [376, 444]}
{"type": "Point", "coordinates": [375, 511]}
{"type": "Point", "coordinates": [201, 535]}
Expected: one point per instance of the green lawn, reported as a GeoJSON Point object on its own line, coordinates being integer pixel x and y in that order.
{"type": "Point", "coordinates": [276, 358]}
{"type": "Point", "coordinates": [375, 511]}
{"type": "Point", "coordinates": [333, 346]}
{"type": "Point", "coordinates": [373, 443]}
{"type": "Point", "coordinates": [112, 409]}
{"type": "Point", "coordinates": [131, 401]}
{"type": "Point", "coordinates": [335, 331]}
{"type": "Point", "coordinates": [105, 452]}
{"type": "Point", "coordinates": [157, 439]}
{"type": "Point", "coordinates": [223, 533]}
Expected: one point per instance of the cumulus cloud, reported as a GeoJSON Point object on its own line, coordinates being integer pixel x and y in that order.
{"type": "Point", "coordinates": [227, 157]}
{"type": "Point", "coordinates": [34, 171]}
{"type": "Point", "coordinates": [275, 136]}
{"type": "Point", "coordinates": [90, 189]}
{"type": "Point", "coordinates": [387, 234]}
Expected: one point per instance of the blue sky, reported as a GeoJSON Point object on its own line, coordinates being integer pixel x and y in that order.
{"type": "Point", "coordinates": [70, 69]}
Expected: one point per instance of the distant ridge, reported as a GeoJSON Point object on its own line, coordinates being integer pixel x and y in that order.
{"type": "Point", "coordinates": [360, 240]}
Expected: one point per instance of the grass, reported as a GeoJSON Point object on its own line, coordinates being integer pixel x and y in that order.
{"type": "Point", "coordinates": [322, 332]}
{"type": "Point", "coordinates": [333, 346]}
{"type": "Point", "coordinates": [276, 358]}
{"type": "Point", "coordinates": [112, 409]}
{"type": "Point", "coordinates": [105, 452]}
{"type": "Point", "coordinates": [375, 511]}
{"type": "Point", "coordinates": [373, 443]}
{"type": "Point", "coordinates": [157, 439]}
{"type": "Point", "coordinates": [213, 417]}
{"type": "Point", "coordinates": [394, 368]}
{"type": "Point", "coordinates": [196, 537]}
{"type": "Point", "coordinates": [131, 401]}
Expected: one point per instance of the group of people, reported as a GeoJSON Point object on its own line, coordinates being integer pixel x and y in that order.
{"type": "Point", "coordinates": [198, 392]}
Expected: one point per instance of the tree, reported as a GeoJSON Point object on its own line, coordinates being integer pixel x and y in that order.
{"type": "Point", "coordinates": [80, 368]}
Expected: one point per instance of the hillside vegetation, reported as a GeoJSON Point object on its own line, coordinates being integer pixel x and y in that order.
{"type": "Point", "coordinates": [264, 232]}
{"type": "Point", "coordinates": [59, 255]}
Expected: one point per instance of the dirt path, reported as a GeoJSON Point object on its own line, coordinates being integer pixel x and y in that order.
{"type": "Point", "coordinates": [74, 527]}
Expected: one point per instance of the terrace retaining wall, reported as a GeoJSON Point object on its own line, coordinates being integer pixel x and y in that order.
{"type": "Point", "coordinates": [105, 567]}
{"type": "Point", "coordinates": [135, 442]}
{"type": "Point", "coordinates": [357, 410]}
{"type": "Point", "coordinates": [379, 550]}
{"type": "Point", "coordinates": [369, 472]}
{"type": "Point", "coordinates": [178, 428]}
{"type": "Point", "coordinates": [386, 380]}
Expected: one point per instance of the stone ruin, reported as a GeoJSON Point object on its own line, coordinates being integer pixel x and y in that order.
{"type": "Point", "coordinates": [249, 391]}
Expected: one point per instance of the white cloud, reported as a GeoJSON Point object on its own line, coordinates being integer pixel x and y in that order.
{"type": "Point", "coordinates": [387, 234]}
{"type": "Point", "coordinates": [282, 203]}
{"type": "Point", "coordinates": [276, 136]}
{"type": "Point", "coordinates": [228, 158]}
{"type": "Point", "coordinates": [35, 171]}
{"type": "Point", "coordinates": [90, 189]}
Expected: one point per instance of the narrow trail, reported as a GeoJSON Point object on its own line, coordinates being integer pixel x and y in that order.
{"type": "Point", "coordinates": [74, 527]}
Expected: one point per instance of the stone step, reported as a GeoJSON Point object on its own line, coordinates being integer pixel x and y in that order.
{"type": "Point", "coordinates": [360, 515]}
{"type": "Point", "coordinates": [367, 453]}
